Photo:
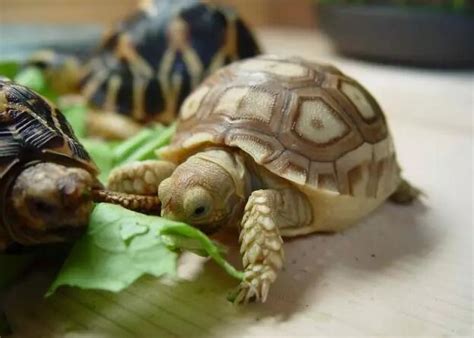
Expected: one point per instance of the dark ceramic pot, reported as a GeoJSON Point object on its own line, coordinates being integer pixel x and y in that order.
{"type": "Point", "coordinates": [400, 34]}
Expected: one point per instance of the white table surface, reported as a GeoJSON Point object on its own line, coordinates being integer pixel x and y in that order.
{"type": "Point", "coordinates": [403, 271]}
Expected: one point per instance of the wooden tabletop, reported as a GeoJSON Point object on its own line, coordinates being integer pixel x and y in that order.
{"type": "Point", "coordinates": [403, 271]}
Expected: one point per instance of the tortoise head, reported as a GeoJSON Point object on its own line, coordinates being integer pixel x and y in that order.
{"type": "Point", "coordinates": [205, 191]}
{"type": "Point", "coordinates": [62, 71]}
{"type": "Point", "coordinates": [51, 203]}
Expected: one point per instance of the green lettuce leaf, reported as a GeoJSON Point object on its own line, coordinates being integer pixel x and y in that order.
{"type": "Point", "coordinates": [121, 246]}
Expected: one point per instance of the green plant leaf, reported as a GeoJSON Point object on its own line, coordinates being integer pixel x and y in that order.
{"type": "Point", "coordinates": [121, 246]}
{"type": "Point", "coordinates": [9, 69]}
{"type": "Point", "coordinates": [108, 155]}
{"type": "Point", "coordinates": [141, 150]}
{"type": "Point", "coordinates": [75, 114]}
{"type": "Point", "coordinates": [101, 153]}
{"type": "Point", "coordinates": [212, 249]}
{"type": "Point", "coordinates": [32, 77]}
{"type": "Point", "coordinates": [126, 148]}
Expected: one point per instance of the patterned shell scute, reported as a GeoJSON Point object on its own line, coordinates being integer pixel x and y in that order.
{"type": "Point", "coordinates": [306, 122]}
{"type": "Point", "coordinates": [152, 60]}
{"type": "Point", "coordinates": [31, 128]}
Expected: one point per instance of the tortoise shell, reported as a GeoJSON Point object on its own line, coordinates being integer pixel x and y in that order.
{"type": "Point", "coordinates": [32, 130]}
{"type": "Point", "coordinates": [151, 61]}
{"type": "Point", "coordinates": [305, 122]}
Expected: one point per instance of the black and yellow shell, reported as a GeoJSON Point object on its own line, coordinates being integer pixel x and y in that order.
{"type": "Point", "coordinates": [32, 130]}
{"type": "Point", "coordinates": [152, 61]}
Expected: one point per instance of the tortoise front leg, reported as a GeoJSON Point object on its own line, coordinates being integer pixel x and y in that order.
{"type": "Point", "coordinates": [261, 243]}
{"type": "Point", "coordinates": [140, 178]}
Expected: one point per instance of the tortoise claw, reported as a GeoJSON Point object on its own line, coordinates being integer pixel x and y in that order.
{"type": "Point", "coordinates": [246, 293]}
{"type": "Point", "coordinates": [254, 288]}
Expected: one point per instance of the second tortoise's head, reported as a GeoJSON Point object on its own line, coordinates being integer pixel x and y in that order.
{"type": "Point", "coordinates": [50, 203]}
{"type": "Point", "coordinates": [205, 191]}
{"type": "Point", "coordinates": [62, 71]}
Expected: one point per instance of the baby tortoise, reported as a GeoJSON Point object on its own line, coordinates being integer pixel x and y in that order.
{"type": "Point", "coordinates": [47, 181]}
{"type": "Point", "coordinates": [280, 147]}
{"type": "Point", "coordinates": [151, 61]}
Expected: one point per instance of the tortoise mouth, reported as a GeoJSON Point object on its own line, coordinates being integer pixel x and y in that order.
{"type": "Point", "coordinates": [208, 229]}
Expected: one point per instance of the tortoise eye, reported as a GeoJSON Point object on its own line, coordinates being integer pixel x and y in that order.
{"type": "Point", "coordinates": [199, 211]}
{"type": "Point", "coordinates": [197, 203]}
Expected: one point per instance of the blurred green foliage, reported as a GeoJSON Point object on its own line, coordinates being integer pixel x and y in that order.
{"type": "Point", "coordinates": [9, 69]}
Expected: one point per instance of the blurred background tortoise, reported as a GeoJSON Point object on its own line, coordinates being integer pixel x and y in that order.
{"type": "Point", "coordinates": [279, 147]}
{"type": "Point", "coordinates": [148, 63]}
{"type": "Point", "coordinates": [48, 182]}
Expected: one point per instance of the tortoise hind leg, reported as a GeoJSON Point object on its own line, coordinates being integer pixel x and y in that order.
{"type": "Point", "coordinates": [405, 193]}
{"type": "Point", "coordinates": [140, 178]}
